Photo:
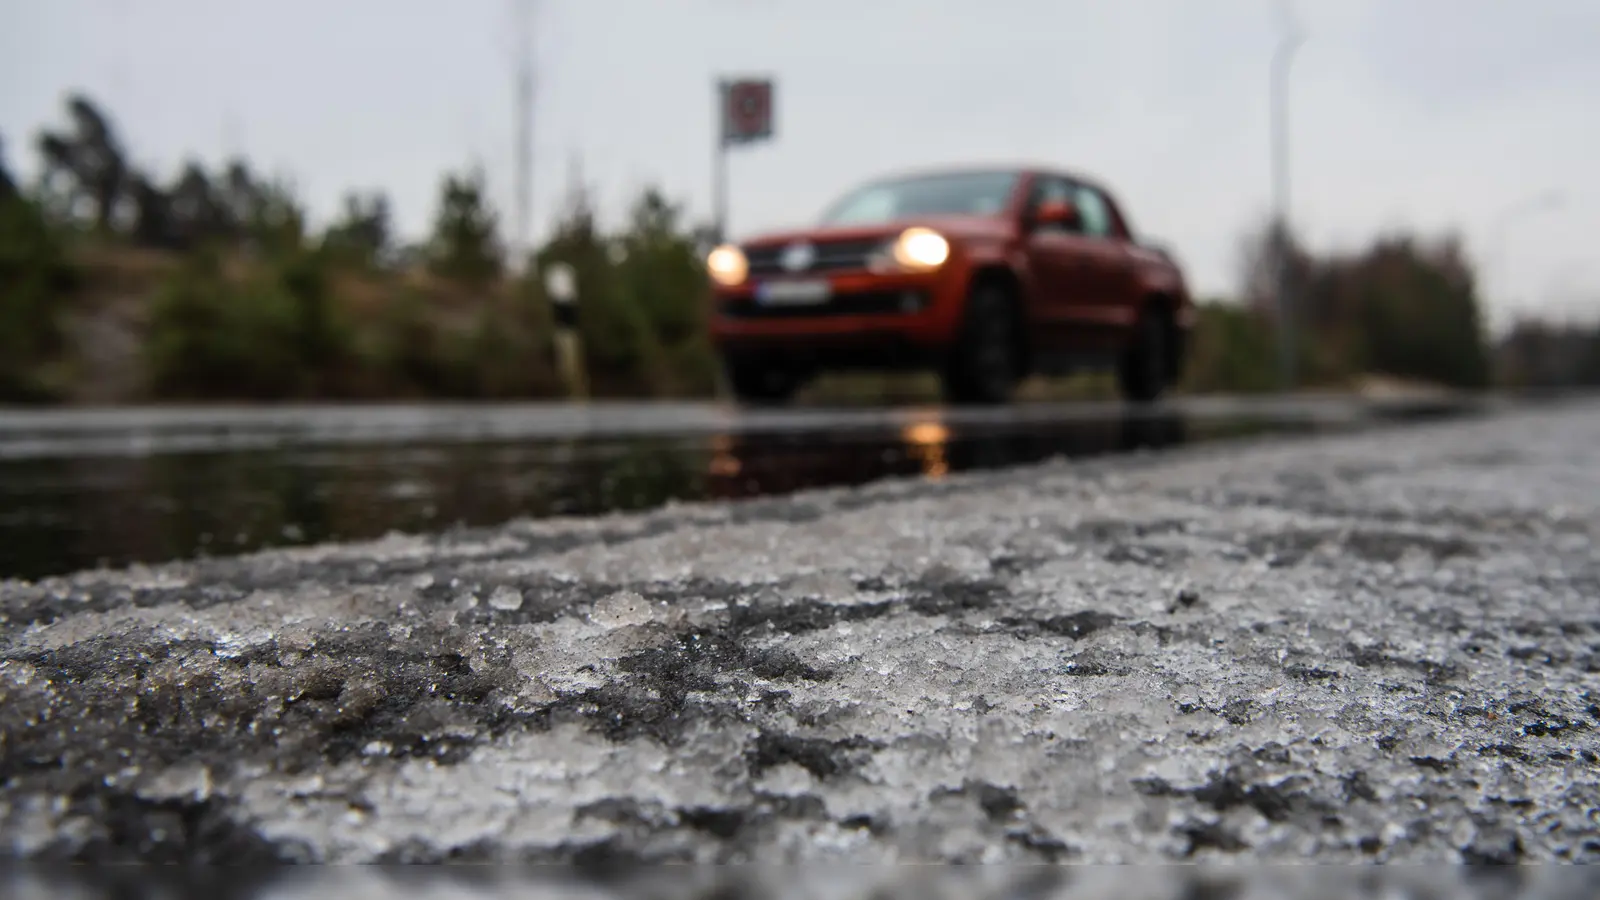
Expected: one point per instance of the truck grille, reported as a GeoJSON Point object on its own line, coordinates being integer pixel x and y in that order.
{"type": "Point", "coordinates": [832, 256]}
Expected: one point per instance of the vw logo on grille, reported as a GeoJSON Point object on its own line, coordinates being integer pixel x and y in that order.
{"type": "Point", "coordinates": [798, 257]}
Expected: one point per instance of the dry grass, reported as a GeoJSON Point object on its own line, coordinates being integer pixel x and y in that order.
{"type": "Point", "coordinates": [121, 275]}
{"type": "Point", "coordinates": [1384, 387]}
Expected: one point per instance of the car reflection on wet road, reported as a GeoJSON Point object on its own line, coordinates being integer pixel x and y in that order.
{"type": "Point", "coordinates": [763, 464]}
{"type": "Point", "coordinates": [79, 491]}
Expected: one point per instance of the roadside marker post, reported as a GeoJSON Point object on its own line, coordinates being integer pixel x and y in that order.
{"type": "Point", "coordinates": [561, 286]}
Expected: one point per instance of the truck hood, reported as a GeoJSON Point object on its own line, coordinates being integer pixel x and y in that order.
{"type": "Point", "coordinates": [951, 226]}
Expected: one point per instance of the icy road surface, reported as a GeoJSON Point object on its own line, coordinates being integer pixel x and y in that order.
{"type": "Point", "coordinates": [1383, 647]}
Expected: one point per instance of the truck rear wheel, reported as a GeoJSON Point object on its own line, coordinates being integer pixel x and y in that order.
{"type": "Point", "coordinates": [984, 367]}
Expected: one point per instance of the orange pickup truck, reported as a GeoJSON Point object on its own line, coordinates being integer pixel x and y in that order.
{"type": "Point", "coordinates": [984, 275]}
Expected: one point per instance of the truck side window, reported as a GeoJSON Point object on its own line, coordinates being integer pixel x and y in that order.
{"type": "Point", "coordinates": [1096, 214]}
{"type": "Point", "coordinates": [1049, 189]}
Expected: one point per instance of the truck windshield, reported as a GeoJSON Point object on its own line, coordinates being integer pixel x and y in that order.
{"type": "Point", "coordinates": [955, 193]}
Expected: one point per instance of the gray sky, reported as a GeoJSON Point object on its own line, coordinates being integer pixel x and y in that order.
{"type": "Point", "coordinates": [1430, 114]}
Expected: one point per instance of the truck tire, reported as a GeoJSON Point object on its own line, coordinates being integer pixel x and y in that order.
{"type": "Point", "coordinates": [754, 384]}
{"type": "Point", "coordinates": [1142, 374]}
{"type": "Point", "coordinates": [983, 367]}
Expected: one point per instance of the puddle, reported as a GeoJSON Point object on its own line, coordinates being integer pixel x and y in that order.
{"type": "Point", "coordinates": [63, 512]}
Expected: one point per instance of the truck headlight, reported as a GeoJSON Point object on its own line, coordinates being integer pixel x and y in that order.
{"type": "Point", "coordinates": [727, 265]}
{"type": "Point", "coordinates": [921, 249]}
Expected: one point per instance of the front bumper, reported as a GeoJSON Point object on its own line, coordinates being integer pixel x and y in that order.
{"type": "Point", "coordinates": [868, 319]}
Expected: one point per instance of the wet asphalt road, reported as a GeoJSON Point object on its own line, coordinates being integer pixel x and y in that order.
{"type": "Point", "coordinates": [28, 434]}
{"type": "Point", "coordinates": [87, 488]}
{"type": "Point", "coordinates": [1373, 647]}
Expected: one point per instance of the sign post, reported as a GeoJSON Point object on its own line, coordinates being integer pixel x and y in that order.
{"type": "Point", "coordinates": [561, 286]}
{"type": "Point", "coordinates": [744, 116]}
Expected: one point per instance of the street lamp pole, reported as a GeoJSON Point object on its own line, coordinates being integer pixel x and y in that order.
{"type": "Point", "coordinates": [1282, 58]}
{"type": "Point", "coordinates": [522, 159]}
{"type": "Point", "coordinates": [1548, 201]}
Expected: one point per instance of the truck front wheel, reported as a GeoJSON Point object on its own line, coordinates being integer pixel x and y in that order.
{"type": "Point", "coordinates": [1142, 374]}
{"type": "Point", "coordinates": [984, 367]}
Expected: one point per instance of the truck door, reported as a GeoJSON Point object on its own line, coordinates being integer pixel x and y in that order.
{"type": "Point", "coordinates": [1057, 254]}
{"type": "Point", "coordinates": [1111, 303]}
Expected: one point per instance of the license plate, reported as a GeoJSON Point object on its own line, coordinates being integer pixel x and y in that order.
{"type": "Point", "coordinates": [793, 293]}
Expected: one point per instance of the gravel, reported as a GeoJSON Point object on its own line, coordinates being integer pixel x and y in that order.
{"type": "Point", "coordinates": [1383, 647]}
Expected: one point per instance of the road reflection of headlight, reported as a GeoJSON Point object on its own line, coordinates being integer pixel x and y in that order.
{"type": "Point", "coordinates": [727, 266]}
{"type": "Point", "coordinates": [921, 249]}
{"type": "Point", "coordinates": [724, 464]}
{"type": "Point", "coordinates": [927, 442]}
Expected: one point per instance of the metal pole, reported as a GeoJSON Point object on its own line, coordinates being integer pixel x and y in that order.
{"type": "Point", "coordinates": [1282, 58]}
{"type": "Point", "coordinates": [524, 132]}
{"type": "Point", "coordinates": [121, 93]}
{"type": "Point", "coordinates": [719, 166]}
{"type": "Point", "coordinates": [1540, 203]}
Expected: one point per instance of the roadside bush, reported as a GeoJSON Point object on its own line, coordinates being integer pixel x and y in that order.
{"type": "Point", "coordinates": [35, 276]}
{"type": "Point", "coordinates": [273, 335]}
{"type": "Point", "coordinates": [210, 338]}
{"type": "Point", "coordinates": [322, 338]}
{"type": "Point", "coordinates": [406, 350]}
{"type": "Point", "coordinates": [660, 275]}
{"type": "Point", "coordinates": [1234, 350]}
{"type": "Point", "coordinates": [1421, 325]}
{"type": "Point", "coordinates": [508, 356]}
{"type": "Point", "coordinates": [501, 352]}
{"type": "Point", "coordinates": [1543, 355]}
{"type": "Point", "coordinates": [466, 238]}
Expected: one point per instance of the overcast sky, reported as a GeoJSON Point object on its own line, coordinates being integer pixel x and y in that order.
{"type": "Point", "coordinates": [1430, 114]}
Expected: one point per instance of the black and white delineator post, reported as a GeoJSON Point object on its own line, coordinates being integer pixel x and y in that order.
{"type": "Point", "coordinates": [561, 286]}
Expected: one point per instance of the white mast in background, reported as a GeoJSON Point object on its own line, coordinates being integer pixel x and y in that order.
{"type": "Point", "coordinates": [523, 14]}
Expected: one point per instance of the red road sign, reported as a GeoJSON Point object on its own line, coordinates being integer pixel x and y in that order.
{"type": "Point", "coordinates": [746, 110]}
